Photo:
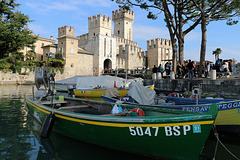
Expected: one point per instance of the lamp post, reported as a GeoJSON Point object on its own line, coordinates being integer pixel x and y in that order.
{"type": "Point", "coordinates": [124, 52]}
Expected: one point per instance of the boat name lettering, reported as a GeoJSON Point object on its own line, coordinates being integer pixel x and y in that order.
{"type": "Point", "coordinates": [177, 131]}
{"type": "Point", "coordinates": [196, 109]}
{"type": "Point", "coordinates": [228, 105]}
{"type": "Point", "coordinates": [222, 106]}
{"type": "Point", "coordinates": [169, 130]}
{"type": "Point", "coordinates": [150, 131]}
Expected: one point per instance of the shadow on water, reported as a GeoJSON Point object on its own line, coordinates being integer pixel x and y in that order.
{"type": "Point", "coordinates": [65, 148]}
{"type": "Point", "coordinates": [230, 150]}
{"type": "Point", "coordinates": [19, 137]}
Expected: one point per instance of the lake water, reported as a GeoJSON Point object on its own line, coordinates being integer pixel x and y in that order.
{"type": "Point", "coordinates": [19, 137]}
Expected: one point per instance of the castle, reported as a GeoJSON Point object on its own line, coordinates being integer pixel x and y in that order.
{"type": "Point", "coordinates": [112, 51]}
{"type": "Point", "coordinates": [93, 52]}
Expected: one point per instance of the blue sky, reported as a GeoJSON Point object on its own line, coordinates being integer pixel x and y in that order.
{"type": "Point", "coordinates": [48, 15]}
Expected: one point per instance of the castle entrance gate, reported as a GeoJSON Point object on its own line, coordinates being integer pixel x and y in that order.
{"type": "Point", "coordinates": [107, 63]}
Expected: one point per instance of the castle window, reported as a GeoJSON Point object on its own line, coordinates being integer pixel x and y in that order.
{"type": "Point", "coordinates": [72, 65]}
{"type": "Point", "coordinates": [119, 22]}
{"type": "Point", "coordinates": [42, 44]}
{"type": "Point", "coordinates": [126, 22]}
{"type": "Point", "coordinates": [93, 34]}
{"type": "Point", "coordinates": [105, 46]}
{"type": "Point", "coordinates": [72, 50]}
{"type": "Point", "coordinates": [106, 34]}
{"type": "Point", "coordinates": [60, 50]}
{"type": "Point", "coordinates": [111, 48]}
{"type": "Point", "coordinates": [118, 32]}
{"type": "Point", "coordinates": [53, 50]}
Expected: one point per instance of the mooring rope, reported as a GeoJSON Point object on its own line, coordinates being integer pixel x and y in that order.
{"type": "Point", "coordinates": [218, 140]}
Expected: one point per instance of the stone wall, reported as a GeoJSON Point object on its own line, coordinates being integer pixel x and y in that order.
{"type": "Point", "coordinates": [226, 87]}
{"type": "Point", "coordinates": [28, 78]}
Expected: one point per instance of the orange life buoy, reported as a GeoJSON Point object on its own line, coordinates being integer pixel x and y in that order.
{"type": "Point", "coordinates": [173, 94]}
{"type": "Point", "coordinates": [193, 97]}
{"type": "Point", "coordinates": [139, 111]}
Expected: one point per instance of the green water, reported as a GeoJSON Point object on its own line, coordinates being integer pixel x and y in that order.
{"type": "Point", "coordinates": [19, 137]}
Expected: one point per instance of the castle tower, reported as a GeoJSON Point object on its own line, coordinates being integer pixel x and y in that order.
{"type": "Point", "coordinates": [68, 46]}
{"type": "Point", "coordinates": [159, 51]}
{"type": "Point", "coordinates": [62, 31]}
{"type": "Point", "coordinates": [123, 23]}
{"type": "Point", "coordinates": [99, 25]}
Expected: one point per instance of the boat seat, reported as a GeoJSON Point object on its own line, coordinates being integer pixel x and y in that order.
{"type": "Point", "coordinates": [73, 107]}
{"type": "Point", "coordinates": [116, 114]}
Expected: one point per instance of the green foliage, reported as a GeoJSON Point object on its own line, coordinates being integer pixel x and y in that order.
{"type": "Point", "coordinates": [4, 65]}
{"type": "Point", "coordinates": [17, 67]}
{"type": "Point", "coordinates": [13, 29]}
{"type": "Point", "coordinates": [30, 55]}
{"type": "Point", "coordinates": [217, 51]}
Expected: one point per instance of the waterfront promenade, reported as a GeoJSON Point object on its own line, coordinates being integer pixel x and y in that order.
{"type": "Point", "coordinates": [223, 86]}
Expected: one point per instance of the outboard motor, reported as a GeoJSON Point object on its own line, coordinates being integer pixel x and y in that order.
{"type": "Point", "coordinates": [44, 78]}
{"type": "Point", "coordinates": [70, 88]}
{"type": "Point", "coordinates": [41, 92]}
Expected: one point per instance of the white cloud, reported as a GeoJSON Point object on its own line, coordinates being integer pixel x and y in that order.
{"type": "Point", "coordinates": [142, 32]}
{"type": "Point", "coordinates": [43, 6]}
{"type": "Point", "coordinates": [192, 36]}
{"type": "Point", "coordinates": [93, 3]}
{"type": "Point", "coordinates": [67, 5]}
{"type": "Point", "coordinates": [38, 29]}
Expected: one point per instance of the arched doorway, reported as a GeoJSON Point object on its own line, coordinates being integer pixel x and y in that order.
{"type": "Point", "coordinates": [107, 64]}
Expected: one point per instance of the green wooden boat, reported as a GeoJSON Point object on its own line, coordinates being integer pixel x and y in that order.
{"type": "Point", "coordinates": [163, 133]}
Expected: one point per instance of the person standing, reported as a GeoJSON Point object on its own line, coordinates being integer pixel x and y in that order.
{"type": "Point", "coordinates": [180, 70]}
{"type": "Point", "coordinates": [160, 69]}
{"type": "Point", "coordinates": [190, 69]}
{"type": "Point", "coordinates": [167, 68]}
{"type": "Point", "coordinates": [154, 70]}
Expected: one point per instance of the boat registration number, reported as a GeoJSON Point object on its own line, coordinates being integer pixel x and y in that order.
{"type": "Point", "coordinates": [168, 130]}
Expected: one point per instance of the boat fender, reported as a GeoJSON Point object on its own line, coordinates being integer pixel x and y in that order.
{"type": "Point", "coordinates": [139, 111]}
{"type": "Point", "coordinates": [193, 97]}
{"type": "Point", "coordinates": [173, 94]}
{"type": "Point", "coordinates": [47, 125]}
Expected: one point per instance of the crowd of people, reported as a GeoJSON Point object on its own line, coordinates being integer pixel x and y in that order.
{"type": "Point", "coordinates": [190, 69]}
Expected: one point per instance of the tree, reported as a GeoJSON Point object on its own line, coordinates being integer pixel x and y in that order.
{"type": "Point", "coordinates": [177, 13]}
{"type": "Point", "coordinates": [14, 33]}
{"type": "Point", "coordinates": [214, 10]}
{"type": "Point", "coordinates": [217, 52]}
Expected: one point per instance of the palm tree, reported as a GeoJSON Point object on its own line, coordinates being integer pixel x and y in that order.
{"type": "Point", "coordinates": [217, 52]}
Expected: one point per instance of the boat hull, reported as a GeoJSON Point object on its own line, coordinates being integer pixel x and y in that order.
{"type": "Point", "coordinates": [96, 93]}
{"type": "Point", "coordinates": [173, 139]}
{"type": "Point", "coordinates": [193, 101]}
{"type": "Point", "coordinates": [228, 118]}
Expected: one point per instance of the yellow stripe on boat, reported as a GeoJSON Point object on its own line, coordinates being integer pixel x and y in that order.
{"type": "Point", "coordinates": [121, 124]}
{"type": "Point", "coordinates": [97, 93]}
{"type": "Point", "coordinates": [228, 117]}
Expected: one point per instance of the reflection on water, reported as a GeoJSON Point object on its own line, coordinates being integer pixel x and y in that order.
{"type": "Point", "coordinates": [19, 137]}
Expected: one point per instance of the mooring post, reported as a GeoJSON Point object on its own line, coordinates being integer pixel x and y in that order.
{"type": "Point", "coordinates": [33, 93]}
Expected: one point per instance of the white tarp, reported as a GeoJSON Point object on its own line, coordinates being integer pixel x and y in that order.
{"type": "Point", "coordinates": [141, 94]}
{"type": "Point", "coordinates": [103, 82]}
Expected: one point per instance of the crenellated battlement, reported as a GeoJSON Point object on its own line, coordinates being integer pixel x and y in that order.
{"type": "Point", "coordinates": [65, 30]}
{"type": "Point", "coordinates": [83, 37]}
{"type": "Point", "coordinates": [121, 40]}
{"type": "Point", "coordinates": [121, 13]}
{"type": "Point", "coordinates": [99, 21]}
{"type": "Point", "coordinates": [82, 40]}
{"type": "Point", "coordinates": [159, 42]}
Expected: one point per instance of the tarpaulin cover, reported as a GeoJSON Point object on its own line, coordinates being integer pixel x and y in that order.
{"type": "Point", "coordinates": [141, 94]}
